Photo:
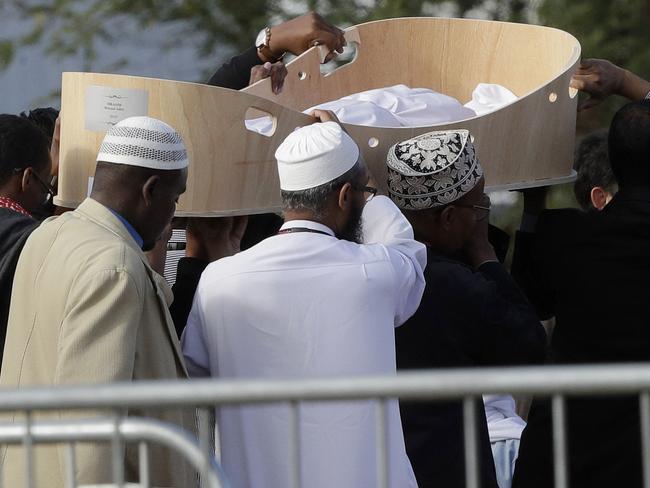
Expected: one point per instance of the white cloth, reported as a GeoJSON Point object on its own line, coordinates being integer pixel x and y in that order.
{"type": "Point", "coordinates": [488, 97]}
{"type": "Point", "coordinates": [502, 419]}
{"type": "Point", "coordinates": [505, 455]}
{"type": "Point", "coordinates": [314, 155]}
{"type": "Point", "coordinates": [308, 305]}
{"type": "Point", "coordinates": [397, 106]}
{"type": "Point", "coordinates": [401, 106]}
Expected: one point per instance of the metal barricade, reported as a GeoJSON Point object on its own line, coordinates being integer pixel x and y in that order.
{"type": "Point", "coordinates": [466, 385]}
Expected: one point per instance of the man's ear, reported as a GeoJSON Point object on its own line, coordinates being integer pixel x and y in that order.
{"type": "Point", "coordinates": [599, 197]}
{"type": "Point", "coordinates": [447, 217]}
{"type": "Point", "coordinates": [150, 186]}
{"type": "Point", "coordinates": [26, 180]}
{"type": "Point", "coordinates": [345, 196]}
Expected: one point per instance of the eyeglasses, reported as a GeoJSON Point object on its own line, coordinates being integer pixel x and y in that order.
{"type": "Point", "coordinates": [49, 189]}
{"type": "Point", "coordinates": [366, 189]}
{"type": "Point", "coordinates": [485, 209]}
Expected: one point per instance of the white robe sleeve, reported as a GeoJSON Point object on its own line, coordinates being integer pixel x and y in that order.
{"type": "Point", "coordinates": [384, 223]}
{"type": "Point", "coordinates": [193, 341]}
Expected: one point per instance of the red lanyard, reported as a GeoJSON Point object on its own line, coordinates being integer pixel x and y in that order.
{"type": "Point", "coordinates": [6, 202]}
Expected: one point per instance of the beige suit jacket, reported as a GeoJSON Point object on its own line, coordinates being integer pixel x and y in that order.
{"type": "Point", "coordinates": [86, 308]}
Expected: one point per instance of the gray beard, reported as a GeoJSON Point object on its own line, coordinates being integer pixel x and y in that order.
{"type": "Point", "coordinates": [353, 230]}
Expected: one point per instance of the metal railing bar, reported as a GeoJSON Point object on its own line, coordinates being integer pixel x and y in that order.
{"type": "Point", "coordinates": [294, 443]}
{"type": "Point", "coordinates": [143, 462]}
{"type": "Point", "coordinates": [71, 465]}
{"type": "Point", "coordinates": [644, 412]}
{"type": "Point", "coordinates": [117, 454]}
{"type": "Point", "coordinates": [560, 452]}
{"type": "Point", "coordinates": [132, 429]}
{"type": "Point", "coordinates": [28, 444]}
{"type": "Point", "coordinates": [450, 384]}
{"type": "Point", "coordinates": [204, 442]}
{"type": "Point", "coordinates": [382, 428]}
{"type": "Point", "coordinates": [471, 444]}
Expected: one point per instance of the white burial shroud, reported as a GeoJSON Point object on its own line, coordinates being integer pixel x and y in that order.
{"type": "Point", "coordinates": [401, 106]}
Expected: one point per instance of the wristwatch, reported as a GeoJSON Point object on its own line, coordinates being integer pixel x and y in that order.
{"type": "Point", "coordinates": [262, 42]}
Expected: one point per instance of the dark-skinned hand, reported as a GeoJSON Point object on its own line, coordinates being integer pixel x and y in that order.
{"type": "Point", "coordinates": [276, 71]}
{"type": "Point", "coordinates": [298, 35]}
{"type": "Point", "coordinates": [212, 238]}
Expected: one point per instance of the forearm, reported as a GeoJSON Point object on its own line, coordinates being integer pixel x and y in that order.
{"type": "Point", "coordinates": [383, 222]}
{"type": "Point", "coordinates": [235, 74]}
{"type": "Point", "coordinates": [528, 273]}
{"type": "Point", "coordinates": [515, 334]}
{"type": "Point", "coordinates": [496, 272]}
{"type": "Point", "coordinates": [633, 87]}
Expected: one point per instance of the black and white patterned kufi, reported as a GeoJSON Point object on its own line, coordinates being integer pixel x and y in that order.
{"type": "Point", "coordinates": [144, 142]}
{"type": "Point", "coordinates": [432, 169]}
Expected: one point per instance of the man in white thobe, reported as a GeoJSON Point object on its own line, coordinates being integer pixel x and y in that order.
{"type": "Point", "coordinates": [320, 299]}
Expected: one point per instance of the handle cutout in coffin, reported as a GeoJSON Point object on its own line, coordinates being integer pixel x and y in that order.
{"type": "Point", "coordinates": [260, 122]}
{"type": "Point", "coordinates": [349, 55]}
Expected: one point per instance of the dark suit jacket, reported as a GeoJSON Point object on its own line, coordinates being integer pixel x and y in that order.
{"type": "Point", "coordinates": [591, 271]}
{"type": "Point", "coordinates": [466, 318]}
{"type": "Point", "coordinates": [15, 228]}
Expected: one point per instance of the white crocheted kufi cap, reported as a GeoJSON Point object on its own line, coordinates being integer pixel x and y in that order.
{"type": "Point", "coordinates": [314, 155]}
{"type": "Point", "coordinates": [432, 169]}
{"type": "Point", "coordinates": [144, 142]}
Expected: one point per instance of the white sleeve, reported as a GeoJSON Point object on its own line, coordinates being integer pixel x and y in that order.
{"type": "Point", "coordinates": [195, 348]}
{"type": "Point", "coordinates": [384, 223]}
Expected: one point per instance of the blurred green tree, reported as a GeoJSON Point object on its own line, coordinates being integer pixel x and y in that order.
{"type": "Point", "coordinates": [76, 27]}
{"type": "Point", "coordinates": [610, 29]}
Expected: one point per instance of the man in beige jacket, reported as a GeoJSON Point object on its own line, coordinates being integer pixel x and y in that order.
{"type": "Point", "coordinates": [87, 308]}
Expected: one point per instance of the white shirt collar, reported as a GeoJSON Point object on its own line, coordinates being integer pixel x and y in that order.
{"type": "Point", "coordinates": [308, 224]}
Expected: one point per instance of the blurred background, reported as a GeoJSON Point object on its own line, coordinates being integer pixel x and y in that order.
{"type": "Point", "coordinates": [187, 39]}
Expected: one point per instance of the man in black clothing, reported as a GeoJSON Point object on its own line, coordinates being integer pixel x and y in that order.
{"type": "Point", "coordinates": [590, 271]}
{"type": "Point", "coordinates": [472, 312]}
{"type": "Point", "coordinates": [25, 167]}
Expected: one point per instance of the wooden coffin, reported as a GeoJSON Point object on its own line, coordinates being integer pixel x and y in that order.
{"type": "Point", "coordinates": [232, 170]}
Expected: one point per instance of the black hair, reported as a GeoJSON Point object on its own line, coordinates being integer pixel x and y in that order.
{"type": "Point", "coordinates": [44, 118]}
{"type": "Point", "coordinates": [22, 145]}
{"type": "Point", "coordinates": [629, 144]}
{"type": "Point", "coordinates": [314, 200]}
{"type": "Point", "coordinates": [593, 168]}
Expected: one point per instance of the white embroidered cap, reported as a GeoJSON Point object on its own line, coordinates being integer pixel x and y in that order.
{"type": "Point", "coordinates": [314, 155]}
{"type": "Point", "coordinates": [145, 142]}
{"type": "Point", "coordinates": [432, 169]}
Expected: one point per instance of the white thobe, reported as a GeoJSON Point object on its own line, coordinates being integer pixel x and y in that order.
{"type": "Point", "coordinates": [308, 305]}
{"type": "Point", "coordinates": [502, 419]}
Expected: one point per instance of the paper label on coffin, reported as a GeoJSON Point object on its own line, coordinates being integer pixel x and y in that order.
{"type": "Point", "coordinates": [106, 106]}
